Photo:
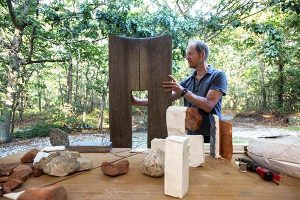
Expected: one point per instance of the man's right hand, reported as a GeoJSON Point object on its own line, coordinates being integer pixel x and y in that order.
{"type": "Point", "coordinates": [138, 102]}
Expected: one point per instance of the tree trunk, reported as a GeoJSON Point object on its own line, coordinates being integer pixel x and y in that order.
{"type": "Point", "coordinates": [281, 84]}
{"type": "Point", "coordinates": [76, 83]}
{"type": "Point", "coordinates": [263, 88]}
{"type": "Point", "coordinates": [102, 108]}
{"type": "Point", "coordinates": [69, 81]}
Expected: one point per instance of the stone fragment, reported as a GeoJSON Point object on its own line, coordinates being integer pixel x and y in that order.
{"type": "Point", "coordinates": [85, 163]}
{"type": "Point", "coordinates": [41, 164]}
{"type": "Point", "coordinates": [29, 156]}
{"type": "Point", "coordinates": [158, 143]}
{"type": "Point", "coordinates": [176, 166]}
{"type": "Point", "coordinates": [197, 155]}
{"type": "Point", "coordinates": [153, 163]}
{"type": "Point", "coordinates": [193, 119]}
{"type": "Point", "coordinates": [13, 195]}
{"type": "Point", "coordinates": [11, 185]}
{"type": "Point", "coordinates": [61, 166]}
{"type": "Point", "coordinates": [58, 137]}
{"type": "Point", "coordinates": [45, 193]}
{"type": "Point", "coordinates": [4, 179]}
{"type": "Point", "coordinates": [37, 172]}
{"type": "Point", "coordinates": [115, 169]}
{"type": "Point", "coordinates": [70, 154]}
{"type": "Point", "coordinates": [7, 168]}
{"type": "Point", "coordinates": [22, 172]}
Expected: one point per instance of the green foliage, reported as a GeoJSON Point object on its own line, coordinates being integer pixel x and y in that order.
{"type": "Point", "coordinates": [36, 130]}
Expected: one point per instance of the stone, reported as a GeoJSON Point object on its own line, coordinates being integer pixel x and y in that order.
{"type": "Point", "coordinates": [158, 143]}
{"type": "Point", "coordinates": [11, 185]}
{"type": "Point", "coordinates": [58, 137]}
{"type": "Point", "coordinates": [13, 195]}
{"type": "Point", "coordinates": [197, 155]}
{"type": "Point", "coordinates": [44, 193]}
{"type": "Point", "coordinates": [115, 169]}
{"type": "Point", "coordinates": [4, 179]}
{"type": "Point", "coordinates": [7, 168]}
{"type": "Point", "coordinates": [1, 191]}
{"type": "Point", "coordinates": [61, 166]}
{"type": "Point", "coordinates": [176, 180]}
{"type": "Point", "coordinates": [193, 119]}
{"type": "Point", "coordinates": [29, 156]}
{"type": "Point", "coordinates": [85, 164]}
{"type": "Point", "coordinates": [22, 172]}
{"type": "Point", "coordinates": [37, 172]}
{"type": "Point", "coordinates": [70, 154]}
{"type": "Point", "coordinates": [175, 119]}
{"type": "Point", "coordinates": [41, 164]}
{"type": "Point", "coordinates": [153, 163]}
{"type": "Point", "coordinates": [39, 156]}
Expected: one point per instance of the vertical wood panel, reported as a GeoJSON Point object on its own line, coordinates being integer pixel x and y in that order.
{"type": "Point", "coordinates": [159, 67]}
{"type": "Point", "coordinates": [119, 94]}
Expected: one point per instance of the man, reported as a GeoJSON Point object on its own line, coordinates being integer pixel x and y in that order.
{"type": "Point", "coordinates": [204, 89]}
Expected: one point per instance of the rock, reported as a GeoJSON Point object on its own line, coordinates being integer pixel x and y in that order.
{"type": "Point", "coordinates": [4, 179]}
{"type": "Point", "coordinates": [11, 185]}
{"type": "Point", "coordinates": [46, 193]}
{"type": "Point", "coordinates": [39, 156]}
{"type": "Point", "coordinates": [37, 172]}
{"type": "Point", "coordinates": [22, 172]}
{"type": "Point", "coordinates": [1, 191]}
{"type": "Point", "coordinates": [193, 119]}
{"type": "Point", "coordinates": [41, 164]}
{"type": "Point", "coordinates": [58, 137]}
{"type": "Point", "coordinates": [7, 168]}
{"type": "Point", "coordinates": [29, 156]}
{"type": "Point", "coordinates": [61, 166]}
{"type": "Point", "coordinates": [115, 169]}
{"type": "Point", "coordinates": [70, 154]}
{"type": "Point", "coordinates": [154, 163]}
{"type": "Point", "coordinates": [13, 195]}
{"type": "Point", "coordinates": [85, 163]}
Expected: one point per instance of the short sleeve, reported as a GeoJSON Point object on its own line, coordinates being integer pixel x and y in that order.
{"type": "Point", "coordinates": [219, 83]}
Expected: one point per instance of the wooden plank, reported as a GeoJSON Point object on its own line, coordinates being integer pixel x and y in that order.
{"type": "Point", "coordinates": [226, 148]}
{"type": "Point", "coordinates": [133, 51]}
{"type": "Point", "coordinates": [218, 179]}
{"type": "Point", "coordinates": [157, 53]}
{"type": "Point", "coordinates": [119, 93]}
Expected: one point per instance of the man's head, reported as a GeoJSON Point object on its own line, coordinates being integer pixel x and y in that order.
{"type": "Point", "coordinates": [197, 53]}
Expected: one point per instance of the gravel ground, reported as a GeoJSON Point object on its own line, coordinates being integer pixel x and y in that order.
{"type": "Point", "coordinates": [242, 133]}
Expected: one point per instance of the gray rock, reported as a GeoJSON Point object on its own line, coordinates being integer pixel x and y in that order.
{"type": "Point", "coordinates": [154, 163]}
{"type": "Point", "coordinates": [41, 164]}
{"type": "Point", "coordinates": [59, 137]}
{"type": "Point", "coordinates": [70, 154]}
{"type": "Point", "coordinates": [85, 163]}
{"type": "Point", "coordinates": [61, 166]}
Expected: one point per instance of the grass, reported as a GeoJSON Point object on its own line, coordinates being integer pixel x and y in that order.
{"type": "Point", "coordinates": [293, 128]}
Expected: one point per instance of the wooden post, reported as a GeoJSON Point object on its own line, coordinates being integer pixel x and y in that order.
{"type": "Point", "coordinates": [138, 64]}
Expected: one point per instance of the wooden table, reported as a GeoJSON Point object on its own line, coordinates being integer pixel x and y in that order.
{"type": "Point", "coordinates": [219, 179]}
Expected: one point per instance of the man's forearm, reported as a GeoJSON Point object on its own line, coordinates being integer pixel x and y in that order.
{"type": "Point", "coordinates": [200, 102]}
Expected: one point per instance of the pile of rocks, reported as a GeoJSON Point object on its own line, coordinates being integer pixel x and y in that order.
{"type": "Point", "coordinates": [36, 163]}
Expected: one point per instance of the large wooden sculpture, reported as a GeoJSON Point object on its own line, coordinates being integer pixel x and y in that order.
{"type": "Point", "coordinates": [137, 64]}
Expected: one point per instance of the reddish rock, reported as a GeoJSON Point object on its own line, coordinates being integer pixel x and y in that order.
{"type": "Point", "coordinates": [21, 172]}
{"type": "Point", "coordinates": [45, 193]}
{"type": "Point", "coordinates": [29, 156]}
{"type": "Point", "coordinates": [37, 171]}
{"type": "Point", "coordinates": [4, 179]}
{"type": "Point", "coordinates": [193, 119]}
{"type": "Point", "coordinates": [11, 185]}
{"type": "Point", "coordinates": [115, 169]}
{"type": "Point", "coordinates": [1, 191]}
{"type": "Point", "coordinates": [7, 168]}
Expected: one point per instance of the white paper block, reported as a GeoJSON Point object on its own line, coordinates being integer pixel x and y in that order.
{"type": "Point", "coordinates": [40, 155]}
{"type": "Point", "coordinates": [158, 143]}
{"type": "Point", "coordinates": [196, 150]}
{"type": "Point", "coordinates": [217, 141]}
{"type": "Point", "coordinates": [13, 195]}
{"type": "Point", "coordinates": [176, 166]}
{"type": "Point", "coordinates": [176, 120]}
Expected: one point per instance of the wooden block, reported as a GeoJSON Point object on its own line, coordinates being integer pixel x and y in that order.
{"type": "Point", "coordinates": [197, 155]}
{"type": "Point", "coordinates": [176, 167]}
{"type": "Point", "coordinates": [226, 147]}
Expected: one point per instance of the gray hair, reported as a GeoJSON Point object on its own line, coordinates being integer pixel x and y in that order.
{"type": "Point", "coordinates": [199, 46]}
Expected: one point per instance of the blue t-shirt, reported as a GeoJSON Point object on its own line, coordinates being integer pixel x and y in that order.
{"type": "Point", "coordinates": [213, 80]}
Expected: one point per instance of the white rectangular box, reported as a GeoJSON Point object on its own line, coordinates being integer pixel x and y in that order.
{"type": "Point", "coordinates": [176, 166]}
